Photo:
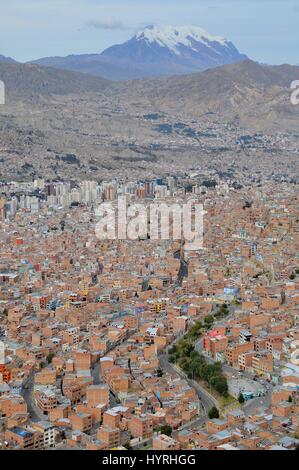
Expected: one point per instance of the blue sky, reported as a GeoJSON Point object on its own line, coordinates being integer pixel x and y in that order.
{"type": "Point", "coordinates": [265, 30]}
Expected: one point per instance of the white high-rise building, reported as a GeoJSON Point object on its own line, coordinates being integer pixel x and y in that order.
{"type": "Point", "coordinates": [2, 353]}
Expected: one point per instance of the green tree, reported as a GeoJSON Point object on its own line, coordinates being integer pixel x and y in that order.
{"type": "Point", "coordinates": [241, 398]}
{"type": "Point", "coordinates": [188, 349]}
{"type": "Point", "coordinates": [209, 320]}
{"type": "Point", "coordinates": [213, 413]}
{"type": "Point", "coordinates": [194, 355]}
{"type": "Point", "coordinates": [50, 357]}
{"type": "Point", "coordinates": [195, 330]}
{"type": "Point", "coordinates": [165, 429]}
{"type": "Point", "coordinates": [219, 383]}
{"type": "Point", "coordinates": [173, 350]}
{"type": "Point", "coordinates": [172, 358]}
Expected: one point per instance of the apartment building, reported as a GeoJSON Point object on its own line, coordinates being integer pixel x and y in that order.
{"type": "Point", "coordinates": [25, 438]}
{"type": "Point", "coordinates": [163, 442]}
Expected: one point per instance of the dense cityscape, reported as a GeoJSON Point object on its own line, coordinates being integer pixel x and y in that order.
{"type": "Point", "coordinates": [149, 242]}
{"type": "Point", "coordinates": [121, 344]}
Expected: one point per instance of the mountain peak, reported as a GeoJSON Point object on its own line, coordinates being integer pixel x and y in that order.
{"type": "Point", "coordinates": [155, 51]}
{"type": "Point", "coordinates": [175, 49]}
{"type": "Point", "coordinates": [173, 37]}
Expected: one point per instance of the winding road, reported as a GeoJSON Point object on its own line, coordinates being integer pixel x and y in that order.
{"type": "Point", "coordinates": [206, 400]}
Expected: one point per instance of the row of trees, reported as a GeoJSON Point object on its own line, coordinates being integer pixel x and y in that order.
{"type": "Point", "coordinates": [192, 362]}
{"type": "Point", "coordinates": [221, 312]}
{"type": "Point", "coordinates": [195, 366]}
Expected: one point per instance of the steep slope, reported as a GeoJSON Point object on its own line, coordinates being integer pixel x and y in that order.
{"type": "Point", "coordinates": [246, 93]}
{"type": "Point", "coordinates": [191, 47]}
{"type": "Point", "coordinates": [154, 51]}
{"type": "Point", "coordinates": [26, 80]}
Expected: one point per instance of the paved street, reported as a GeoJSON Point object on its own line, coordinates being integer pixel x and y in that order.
{"type": "Point", "coordinates": [95, 372]}
{"type": "Point", "coordinates": [205, 398]}
{"type": "Point", "coordinates": [27, 393]}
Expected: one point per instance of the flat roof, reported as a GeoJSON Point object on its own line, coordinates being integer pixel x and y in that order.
{"type": "Point", "coordinates": [21, 432]}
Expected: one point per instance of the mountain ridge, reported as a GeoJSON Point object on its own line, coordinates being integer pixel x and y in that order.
{"type": "Point", "coordinates": [246, 93]}
{"type": "Point", "coordinates": [153, 51]}
{"type": "Point", "coordinates": [133, 126]}
{"type": "Point", "coordinates": [7, 60]}
{"type": "Point", "coordinates": [26, 80]}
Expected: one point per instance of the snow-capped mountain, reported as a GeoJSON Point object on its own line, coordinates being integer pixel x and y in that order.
{"type": "Point", "coordinates": [155, 51]}
{"type": "Point", "coordinates": [185, 48]}
{"type": "Point", "coordinates": [174, 38]}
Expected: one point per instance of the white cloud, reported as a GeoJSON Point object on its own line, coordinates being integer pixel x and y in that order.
{"type": "Point", "coordinates": [106, 24]}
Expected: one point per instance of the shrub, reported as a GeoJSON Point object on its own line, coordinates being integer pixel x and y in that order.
{"type": "Point", "coordinates": [165, 429]}
{"type": "Point", "coordinates": [213, 413]}
{"type": "Point", "coordinates": [241, 398]}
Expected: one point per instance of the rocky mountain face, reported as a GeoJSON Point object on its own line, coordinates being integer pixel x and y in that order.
{"type": "Point", "coordinates": [154, 51]}
{"type": "Point", "coordinates": [246, 93]}
{"type": "Point", "coordinates": [29, 80]}
{"type": "Point", "coordinates": [189, 47]}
